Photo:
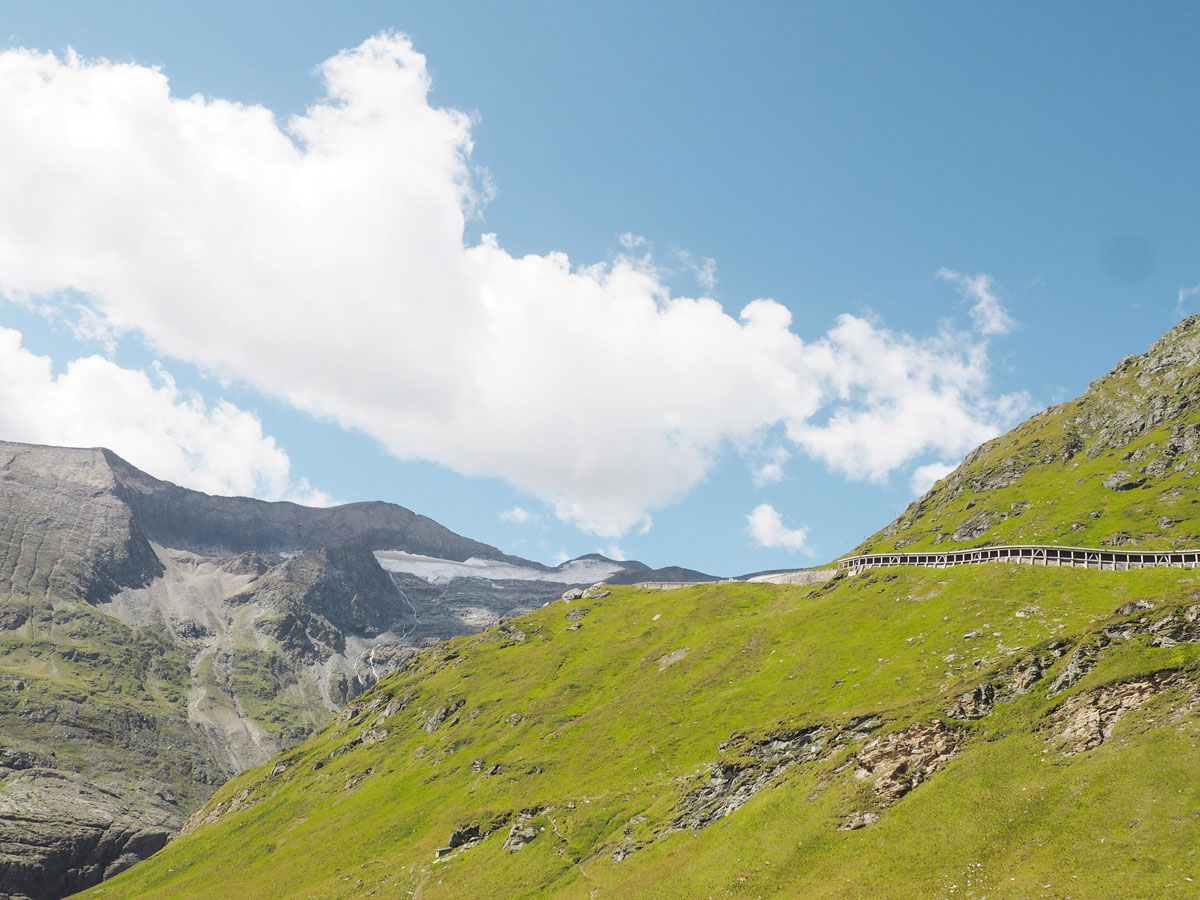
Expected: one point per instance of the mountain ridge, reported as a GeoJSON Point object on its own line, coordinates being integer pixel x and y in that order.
{"type": "Point", "coordinates": [1113, 467]}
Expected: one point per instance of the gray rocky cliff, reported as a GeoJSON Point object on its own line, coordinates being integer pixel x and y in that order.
{"type": "Point", "coordinates": [184, 519]}
{"type": "Point", "coordinates": [63, 530]}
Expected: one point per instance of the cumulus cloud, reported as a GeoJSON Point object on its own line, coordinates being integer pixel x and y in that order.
{"type": "Point", "coordinates": [892, 398]}
{"type": "Point", "coordinates": [323, 261]}
{"type": "Point", "coordinates": [987, 312]}
{"type": "Point", "coordinates": [926, 476]}
{"type": "Point", "coordinates": [767, 529]}
{"type": "Point", "coordinates": [148, 421]}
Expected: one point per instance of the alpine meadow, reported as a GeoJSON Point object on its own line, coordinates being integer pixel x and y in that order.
{"type": "Point", "coordinates": [1016, 731]}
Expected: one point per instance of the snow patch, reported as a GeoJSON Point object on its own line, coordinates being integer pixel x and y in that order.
{"type": "Point", "coordinates": [443, 571]}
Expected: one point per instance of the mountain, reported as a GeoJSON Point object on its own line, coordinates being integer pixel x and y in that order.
{"type": "Point", "coordinates": [156, 640]}
{"type": "Point", "coordinates": [183, 519]}
{"type": "Point", "coordinates": [1115, 467]}
{"type": "Point", "coordinates": [994, 730]}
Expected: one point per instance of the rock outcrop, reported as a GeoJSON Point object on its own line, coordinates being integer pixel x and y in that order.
{"type": "Point", "coordinates": [895, 763]}
{"type": "Point", "coordinates": [63, 530]}
{"type": "Point", "coordinates": [1086, 720]}
{"type": "Point", "coordinates": [61, 833]}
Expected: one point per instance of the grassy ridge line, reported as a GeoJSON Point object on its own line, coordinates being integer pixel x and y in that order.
{"type": "Point", "coordinates": [1063, 503]}
{"type": "Point", "coordinates": [595, 728]}
{"type": "Point", "coordinates": [1045, 481]}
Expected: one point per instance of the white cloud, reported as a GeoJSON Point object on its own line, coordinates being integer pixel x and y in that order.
{"type": "Point", "coordinates": [892, 398]}
{"type": "Point", "coordinates": [148, 421]}
{"type": "Point", "coordinates": [323, 262]}
{"type": "Point", "coordinates": [613, 551]}
{"type": "Point", "coordinates": [1184, 295]}
{"type": "Point", "coordinates": [767, 465]}
{"type": "Point", "coordinates": [518, 515]}
{"type": "Point", "coordinates": [704, 269]}
{"type": "Point", "coordinates": [987, 312]}
{"type": "Point", "coordinates": [767, 529]}
{"type": "Point", "coordinates": [926, 476]}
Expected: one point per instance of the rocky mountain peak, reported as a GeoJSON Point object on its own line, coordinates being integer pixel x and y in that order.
{"type": "Point", "coordinates": [65, 532]}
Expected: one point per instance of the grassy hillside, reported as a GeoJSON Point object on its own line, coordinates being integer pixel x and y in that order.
{"type": "Point", "coordinates": [818, 720]}
{"type": "Point", "coordinates": [1118, 466]}
{"type": "Point", "coordinates": [988, 731]}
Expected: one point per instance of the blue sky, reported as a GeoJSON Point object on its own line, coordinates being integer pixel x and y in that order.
{"type": "Point", "coordinates": [834, 159]}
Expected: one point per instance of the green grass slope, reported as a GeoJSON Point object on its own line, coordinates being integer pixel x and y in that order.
{"type": "Point", "coordinates": [1117, 466]}
{"type": "Point", "coordinates": [601, 746]}
{"type": "Point", "coordinates": [986, 731]}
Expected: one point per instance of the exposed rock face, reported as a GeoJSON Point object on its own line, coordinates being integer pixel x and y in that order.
{"type": "Point", "coordinates": [975, 527]}
{"type": "Point", "coordinates": [60, 833]}
{"type": "Point", "coordinates": [68, 819]}
{"type": "Point", "coordinates": [1025, 674]}
{"type": "Point", "coordinates": [858, 820]}
{"type": "Point", "coordinates": [227, 526]}
{"type": "Point", "coordinates": [897, 762]}
{"type": "Point", "coordinates": [669, 659]}
{"type": "Point", "coordinates": [731, 784]}
{"type": "Point", "coordinates": [755, 764]}
{"type": "Point", "coordinates": [1086, 720]}
{"type": "Point", "coordinates": [638, 572]}
{"type": "Point", "coordinates": [520, 834]}
{"type": "Point", "coordinates": [1123, 481]}
{"type": "Point", "coordinates": [439, 716]}
{"type": "Point", "coordinates": [974, 704]}
{"type": "Point", "coordinates": [469, 605]}
{"type": "Point", "coordinates": [1014, 682]}
{"type": "Point", "coordinates": [322, 595]}
{"type": "Point", "coordinates": [381, 659]}
{"type": "Point", "coordinates": [1179, 626]}
{"type": "Point", "coordinates": [1175, 627]}
{"type": "Point", "coordinates": [63, 531]}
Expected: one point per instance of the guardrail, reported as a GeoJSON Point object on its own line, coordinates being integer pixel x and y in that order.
{"type": "Point", "coordinates": [1030, 554]}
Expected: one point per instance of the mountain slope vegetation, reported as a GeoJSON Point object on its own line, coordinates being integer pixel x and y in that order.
{"type": "Point", "coordinates": [991, 731]}
{"type": "Point", "coordinates": [997, 727]}
{"type": "Point", "coordinates": [1118, 466]}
